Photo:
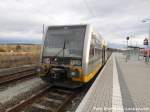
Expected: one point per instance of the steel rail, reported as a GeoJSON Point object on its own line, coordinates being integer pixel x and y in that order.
{"type": "Point", "coordinates": [16, 76]}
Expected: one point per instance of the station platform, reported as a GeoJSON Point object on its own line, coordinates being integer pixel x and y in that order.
{"type": "Point", "coordinates": [120, 87]}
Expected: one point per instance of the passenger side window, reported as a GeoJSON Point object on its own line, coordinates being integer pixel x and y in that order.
{"type": "Point", "coordinates": [95, 47]}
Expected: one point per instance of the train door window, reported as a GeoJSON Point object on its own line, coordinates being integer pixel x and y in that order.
{"type": "Point", "coordinates": [92, 47]}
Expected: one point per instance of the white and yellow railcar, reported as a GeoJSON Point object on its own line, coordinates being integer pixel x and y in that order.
{"type": "Point", "coordinates": [72, 55]}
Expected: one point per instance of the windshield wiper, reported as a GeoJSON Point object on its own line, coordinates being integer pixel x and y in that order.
{"type": "Point", "coordinates": [63, 49]}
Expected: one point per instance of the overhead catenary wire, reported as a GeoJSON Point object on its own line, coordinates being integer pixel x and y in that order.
{"type": "Point", "coordinates": [90, 10]}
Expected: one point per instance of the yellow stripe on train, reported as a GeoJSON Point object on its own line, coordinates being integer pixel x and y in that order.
{"type": "Point", "coordinates": [88, 77]}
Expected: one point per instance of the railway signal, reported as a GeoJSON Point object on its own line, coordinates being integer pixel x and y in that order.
{"type": "Point", "coordinates": [145, 42]}
{"type": "Point", "coordinates": [148, 21]}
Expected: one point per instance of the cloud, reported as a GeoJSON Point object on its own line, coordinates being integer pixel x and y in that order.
{"type": "Point", "coordinates": [115, 20]}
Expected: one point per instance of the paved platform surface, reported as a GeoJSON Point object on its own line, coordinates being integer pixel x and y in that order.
{"type": "Point", "coordinates": [120, 87]}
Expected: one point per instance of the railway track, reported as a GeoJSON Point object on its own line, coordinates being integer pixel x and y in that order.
{"type": "Point", "coordinates": [17, 75]}
{"type": "Point", "coordinates": [49, 99]}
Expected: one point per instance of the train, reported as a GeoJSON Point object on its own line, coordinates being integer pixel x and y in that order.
{"type": "Point", "coordinates": [71, 55]}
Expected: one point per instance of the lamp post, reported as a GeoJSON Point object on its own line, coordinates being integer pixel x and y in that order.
{"type": "Point", "coordinates": [147, 20]}
{"type": "Point", "coordinates": [127, 38]}
{"type": "Point", "coordinates": [127, 55]}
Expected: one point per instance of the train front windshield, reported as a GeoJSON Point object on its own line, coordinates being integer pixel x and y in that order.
{"type": "Point", "coordinates": [65, 41]}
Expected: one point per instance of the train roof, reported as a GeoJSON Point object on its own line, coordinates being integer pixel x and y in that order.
{"type": "Point", "coordinates": [69, 25]}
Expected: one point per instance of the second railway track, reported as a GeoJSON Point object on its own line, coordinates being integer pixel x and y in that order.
{"type": "Point", "coordinates": [49, 99]}
{"type": "Point", "coordinates": [17, 75]}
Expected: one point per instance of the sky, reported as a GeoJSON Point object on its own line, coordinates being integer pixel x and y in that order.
{"type": "Point", "coordinates": [22, 20]}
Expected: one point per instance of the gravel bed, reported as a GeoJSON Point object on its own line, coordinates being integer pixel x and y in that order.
{"type": "Point", "coordinates": [72, 106]}
{"type": "Point", "coordinates": [74, 103]}
{"type": "Point", "coordinates": [13, 95]}
{"type": "Point", "coordinates": [15, 83]}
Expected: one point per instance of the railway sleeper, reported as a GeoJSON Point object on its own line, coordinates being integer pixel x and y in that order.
{"type": "Point", "coordinates": [36, 105]}
{"type": "Point", "coordinates": [57, 94]}
{"type": "Point", "coordinates": [52, 100]}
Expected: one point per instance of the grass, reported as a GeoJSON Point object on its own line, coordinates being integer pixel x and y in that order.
{"type": "Point", "coordinates": [19, 55]}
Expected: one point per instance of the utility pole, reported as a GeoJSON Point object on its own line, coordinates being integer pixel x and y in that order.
{"type": "Point", "coordinates": [43, 29]}
{"type": "Point", "coordinates": [42, 44]}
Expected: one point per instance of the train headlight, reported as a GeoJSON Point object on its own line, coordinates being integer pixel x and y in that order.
{"type": "Point", "coordinates": [41, 70]}
{"type": "Point", "coordinates": [75, 73]}
{"type": "Point", "coordinates": [38, 70]}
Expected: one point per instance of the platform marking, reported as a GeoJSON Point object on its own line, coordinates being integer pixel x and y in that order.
{"type": "Point", "coordinates": [117, 105]}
